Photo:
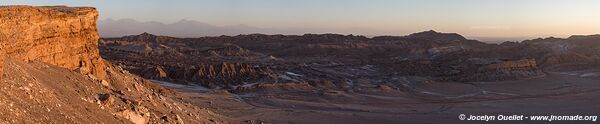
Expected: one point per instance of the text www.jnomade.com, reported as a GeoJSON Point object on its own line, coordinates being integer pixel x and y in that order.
{"type": "Point", "coordinates": [531, 118]}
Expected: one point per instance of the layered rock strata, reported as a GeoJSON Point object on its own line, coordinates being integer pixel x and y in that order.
{"type": "Point", "coordinates": [62, 36]}
{"type": "Point", "coordinates": [506, 70]}
{"type": "Point", "coordinates": [47, 49]}
{"type": "Point", "coordinates": [211, 75]}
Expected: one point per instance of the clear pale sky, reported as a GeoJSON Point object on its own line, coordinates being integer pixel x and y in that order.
{"type": "Point", "coordinates": [477, 18]}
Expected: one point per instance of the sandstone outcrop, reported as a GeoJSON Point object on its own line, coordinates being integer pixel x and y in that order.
{"type": "Point", "coordinates": [2, 57]}
{"type": "Point", "coordinates": [62, 36]}
{"type": "Point", "coordinates": [228, 73]}
{"type": "Point", "coordinates": [53, 73]}
{"type": "Point", "coordinates": [211, 75]}
{"type": "Point", "coordinates": [505, 70]}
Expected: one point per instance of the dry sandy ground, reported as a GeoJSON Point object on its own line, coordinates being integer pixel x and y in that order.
{"type": "Point", "coordinates": [564, 93]}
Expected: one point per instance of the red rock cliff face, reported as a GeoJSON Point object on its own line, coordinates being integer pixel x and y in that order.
{"type": "Point", "coordinates": [62, 36]}
{"type": "Point", "coordinates": [1, 62]}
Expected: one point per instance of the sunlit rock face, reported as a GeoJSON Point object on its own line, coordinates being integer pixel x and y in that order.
{"type": "Point", "coordinates": [58, 35]}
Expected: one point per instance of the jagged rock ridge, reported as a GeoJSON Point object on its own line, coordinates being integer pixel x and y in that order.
{"type": "Point", "coordinates": [343, 59]}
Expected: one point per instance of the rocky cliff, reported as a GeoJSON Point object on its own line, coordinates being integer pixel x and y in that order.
{"type": "Point", "coordinates": [62, 36]}
{"type": "Point", "coordinates": [53, 73]}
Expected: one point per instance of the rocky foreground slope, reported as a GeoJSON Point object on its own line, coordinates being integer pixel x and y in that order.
{"type": "Point", "coordinates": [53, 73]}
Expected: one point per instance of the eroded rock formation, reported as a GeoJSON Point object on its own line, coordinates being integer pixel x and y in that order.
{"type": "Point", "coordinates": [54, 74]}
{"type": "Point", "coordinates": [505, 70]}
{"type": "Point", "coordinates": [62, 36]}
{"type": "Point", "coordinates": [175, 60]}
{"type": "Point", "coordinates": [208, 74]}
{"type": "Point", "coordinates": [344, 59]}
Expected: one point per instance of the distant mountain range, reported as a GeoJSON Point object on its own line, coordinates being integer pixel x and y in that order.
{"type": "Point", "coordinates": [183, 28]}
{"type": "Point", "coordinates": [191, 29]}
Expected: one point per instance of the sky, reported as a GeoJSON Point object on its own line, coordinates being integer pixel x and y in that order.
{"type": "Point", "coordinates": [473, 18]}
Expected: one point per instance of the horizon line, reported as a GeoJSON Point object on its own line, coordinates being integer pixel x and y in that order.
{"type": "Point", "coordinates": [366, 36]}
{"type": "Point", "coordinates": [387, 33]}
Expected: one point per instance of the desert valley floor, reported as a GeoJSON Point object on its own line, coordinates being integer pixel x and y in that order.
{"type": "Point", "coordinates": [440, 102]}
